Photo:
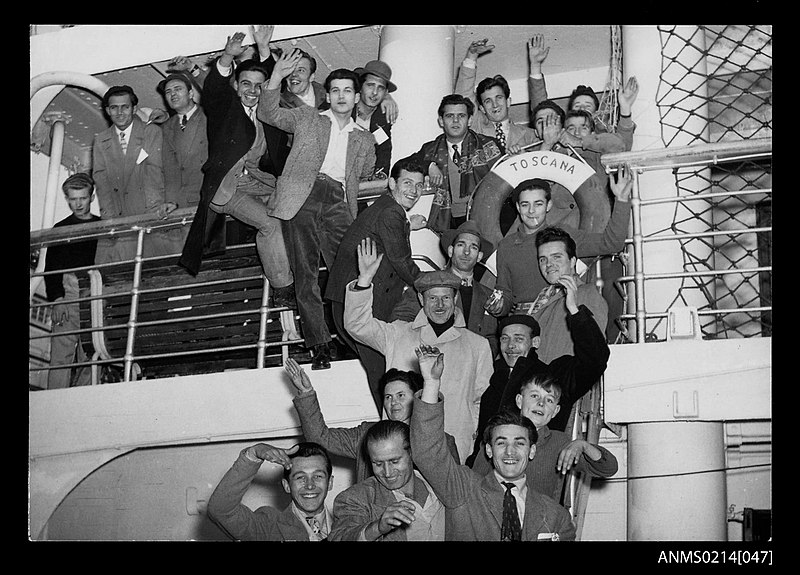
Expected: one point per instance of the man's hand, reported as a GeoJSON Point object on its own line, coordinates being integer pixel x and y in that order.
{"type": "Point", "coordinates": [299, 377]}
{"type": "Point", "coordinates": [389, 108]}
{"type": "Point", "coordinates": [628, 96]}
{"type": "Point", "coordinates": [537, 53]}
{"type": "Point", "coordinates": [262, 34]}
{"type": "Point", "coordinates": [478, 47]}
{"type": "Point", "coordinates": [622, 183]}
{"type": "Point", "coordinates": [431, 361]}
{"type": "Point", "coordinates": [284, 66]}
{"type": "Point", "coordinates": [572, 452]}
{"type": "Point", "coordinates": [496, 307]}
{"type": "Point", "coordinates": [417, 221]}
{"type": "Point", "coordinates": [551, 131]}
{"type": "Point", "coordinates": [266, 452]}
{"type": "Point", "coordinates": [566, 139]}
{"type": "Point", "coordinates": [435, 175]}
{"type": "Point", "coordinates": [570, 293]}
{"type": "Point", "coordinates": [165, 209]}
{"type": "Point", "coordinates": [233, 47]}
{"type": "Point", "coordinates": [396, 514]}
{"type": "Point", "coordinates": [180, 64]}
{"type": "Point", "coordinates": [368, 261]}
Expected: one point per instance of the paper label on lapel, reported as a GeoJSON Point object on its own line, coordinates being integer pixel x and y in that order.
{"type": "Point", "coordinates": [142, 157]}
{"type": "Point", "coordinates": [380, 136]}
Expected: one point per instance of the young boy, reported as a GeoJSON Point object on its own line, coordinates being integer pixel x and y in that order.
{"type": "Point", "coordinates": [556, 454]}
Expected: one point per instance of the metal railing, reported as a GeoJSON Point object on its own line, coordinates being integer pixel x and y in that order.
{"type": "Point", "coordinates": [719, 156]}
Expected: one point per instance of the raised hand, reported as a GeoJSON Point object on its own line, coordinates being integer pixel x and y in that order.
{"type": "Point", "coordinates": [478, 47]}
{"type": "Point", "coordinates": [621, 183]}
{"type": "Point", "coordinates": [368, 261]}
{"type": "Point", "coordinates": [627, 96]}
{"type": "Point", "coordinates": [537, 52]}
{"type": "Point", "coordinates": [431, 362]}
{"type": "Point", "coordinates": [299, 377]}
{"type": "Point", "coordinates": [233, 47]}
{"type": "Point", "coordinates": [266, 452]}
{"type": "Point", "coordinates": [570, 292]}
{"type": "Point", "coordinates": [262, 34]}
{"type": "Point", "coordinates": [180, 64]}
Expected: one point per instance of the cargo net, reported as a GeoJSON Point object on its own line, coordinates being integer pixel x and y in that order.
{"type": "Point", "coordinates": [716, 85]}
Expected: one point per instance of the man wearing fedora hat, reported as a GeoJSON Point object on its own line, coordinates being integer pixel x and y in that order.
{"type": "Point", "coordinates": [376, 85]}
{"type": "Point", "coordinates": [465, 247]}
{"type": "Point", "coordinates": [439, 323]}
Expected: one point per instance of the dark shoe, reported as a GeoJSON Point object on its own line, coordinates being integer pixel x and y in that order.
{"type": "Point", "coordinates": [321, 357]}
{"type": "Point", "coordinates": [284, 297]}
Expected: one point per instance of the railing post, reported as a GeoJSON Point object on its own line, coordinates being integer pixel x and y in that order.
{"type": "Point", "coordinates": [262, 328]}
{"type": "Point", "coordinates": [137, 276]}
{"type": "Point", "coordinates": [638, 263]}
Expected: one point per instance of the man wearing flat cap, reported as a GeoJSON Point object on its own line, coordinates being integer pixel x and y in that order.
{"type": "Point", "coordinates": [439, 323]}
{"type": "Point", "coordinates": [185, 147]}
{"type": "Point", "coordinates": [465, 247]}
{"type": "Point", "coordinates": [375, 111]}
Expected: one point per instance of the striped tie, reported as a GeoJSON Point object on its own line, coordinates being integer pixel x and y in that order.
{"type": "Point", "coordinates": [123, 143]}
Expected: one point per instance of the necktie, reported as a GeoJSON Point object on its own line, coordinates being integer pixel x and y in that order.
{"type": "Point", "coordinates": [123, 143]}
{"type": "Point", "coordinates": [183, 122]}
{"type": "Point", "coordinates": [501, 137]}
{"type": "Point", "coordinates": [456, 155]}
{"type": "Point", "coordinates": [467, 282]}
{"type": "Point", "coordinates": [252, 113]}
{"type": "Point", "coordinates": [511, 530]}
{"type": "Point", "coordinates": [313, 522]}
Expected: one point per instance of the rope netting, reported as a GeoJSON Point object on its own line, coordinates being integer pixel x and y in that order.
{"type": "Point", "coordinates": [715, 86]}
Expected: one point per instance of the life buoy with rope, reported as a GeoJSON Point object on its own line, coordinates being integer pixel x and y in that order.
{"type": "Point", "coordinates": [510, 170]}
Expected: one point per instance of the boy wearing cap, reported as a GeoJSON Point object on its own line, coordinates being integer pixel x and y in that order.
{"type": "Point", "coordinates": [439, 323]}
{"type": "Point", "coordinates": [465, 247]}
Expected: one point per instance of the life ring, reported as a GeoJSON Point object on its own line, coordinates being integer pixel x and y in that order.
{"type": "Point", "coordinates": [507, 173]}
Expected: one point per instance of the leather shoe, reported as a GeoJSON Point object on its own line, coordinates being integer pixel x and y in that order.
{"type": "Point", "coordinates": [284, 297]}
{"type": "Point", "coordinates": [321, 357]}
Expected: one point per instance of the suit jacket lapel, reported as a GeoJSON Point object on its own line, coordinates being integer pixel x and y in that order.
{"type": "Point", "coordinates": [493, 497]}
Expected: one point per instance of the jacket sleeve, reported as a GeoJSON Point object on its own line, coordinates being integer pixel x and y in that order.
{"type": "Point", "coordinates": [359, 321]}
{"type": "Point", "coordinates": [609, 241]}
{"type": "Point", "coordinates": [625, 129]}
{"type": "Point", "coordinates": [351, 513]}
{"type": "Point", "coordinates": [225, 507]}
{"type": "Point", "coordinates": [537, 91]}
{"type": "Point", "coordinates": [606, 466]}
{"type": "Point", "coordinates": [172, 170]}
{"type": "Point", "coordinates": [286, 119]}
{"type": "Point", "coordinates": [393, 229]}
{"type": "Point", "coordinates": [604, 143]}
{"type": "Point", "coordinates": [591, 355]}
{"type": "Point", "coordinates": [339, 441]}
{"type": "Point", "coordinates": [504, 282]}
{"type": "Point", "coordinates": [154, 166]}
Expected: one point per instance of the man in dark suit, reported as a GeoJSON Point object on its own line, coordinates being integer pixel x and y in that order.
{"type": "Point", "coordinates": [465, 246]}
{"type": "Point", "coordinates": [384, 221]}
{"type": "Point", "coordinates": [307, 479]}
{"type": "Point", "coordinates": [317, 193]}
{"type": "Point", "coordinates": [376, 85]}
{"type": "Point", "coordinates": [234, 184]}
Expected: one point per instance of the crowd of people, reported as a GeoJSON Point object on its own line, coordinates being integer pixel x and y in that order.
{"type": "Point", "coordinates": [476, 384]}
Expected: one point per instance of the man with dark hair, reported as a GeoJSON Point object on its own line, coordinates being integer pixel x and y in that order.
{"type": "Point", "coordinates": [386, 222]}
{"type": "Point", "coordinates": [396, 387]}
{"type": "Point", "coordinates": [396, 503]}
{"type": "Point", "coordinates": [457, 160]}
{"type": "Point", "coordinates": [538, 400]}
{"type": "Point", "coordinates": [233, 183]}
{"type": "Point", "coordinates": [128, 175]}
{"type": "Point", "coordinates": [519, 281]}
{"type": "Point", "coordinates": [376, 110]}
{"type": "Point", "coordinates": [493, 98]}
{"type": "Point", "coordinates": [61, 288]}
{"type": "Point", "coordinates": [497, 505]}
{"type": "Point", "coordinates": [300, 87]}
{"type": "Point", "coordinates": [307, 478]}
{"type": "Point", "coordinates": [317, 193]}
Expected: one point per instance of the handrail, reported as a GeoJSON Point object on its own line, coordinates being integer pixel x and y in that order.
{"type": "Point", "coordinates": [696, 155]}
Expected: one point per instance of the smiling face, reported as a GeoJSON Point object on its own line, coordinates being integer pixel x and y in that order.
{"type": "Point", "coordinates": [178, 96]}
{"type": "Point", "coordinates": [554, 261]}
{"type": "Point", "coordinates": [248, 87]}
{"type": "Point", "coordinates": [407, 189]}
{"type": "Point", "coordinates": [510, 450]}
{"type": "Point", "coordinates": [495, 104]}
{"type": "Point", "coordinates": [465, 252]}
{"type": "Point", "coordinates": [391, 461]}
{"type": "Point", "coordinates": [577, 126]}
{"type": "Point", "coordinates": [301, 77]}
{"type": "Point", "coordinates": [532, 206]}
{"type": "Point", "coordinates": [121, 110]}
{"type": "Point", "coordinates": [455, 121]}
{"type": "Point", "coordinates": [308, 483]}
{"type": "Point", "coordinates": [398, 399]}
{"type": "Point", "coordinates": [439, 303]}
{"type": "Point", "coordinates": [537, 404]}
{"type": "Point", "coordinates": [516, 342]}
